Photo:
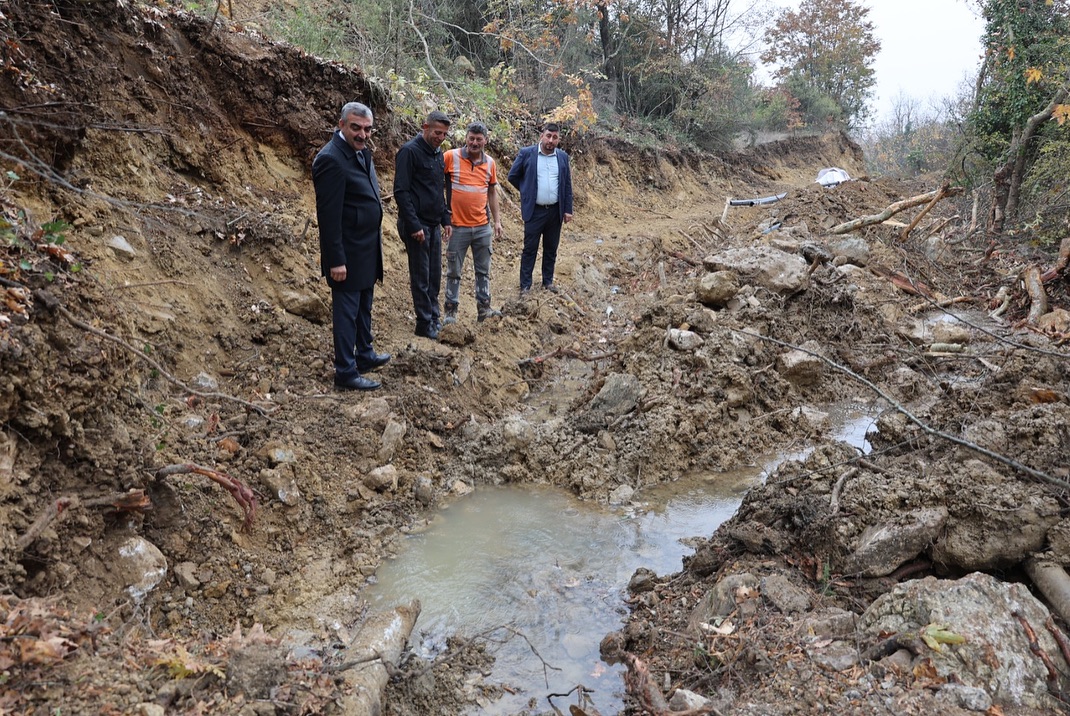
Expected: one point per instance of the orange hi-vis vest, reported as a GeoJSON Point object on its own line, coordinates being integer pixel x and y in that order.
{"type": "Point", "coordinates": [469, 182]}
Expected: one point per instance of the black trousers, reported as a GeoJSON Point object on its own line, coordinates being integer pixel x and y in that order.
{"type": "Point", "coordinates": [425, 275]}
{"type": "Point", "coordinates": [545, 225]}
{"type": "Point", "coordinates": [351, 313]}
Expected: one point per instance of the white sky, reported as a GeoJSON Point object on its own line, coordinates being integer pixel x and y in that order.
{"type": "Point", "coordinates": [928, 47]}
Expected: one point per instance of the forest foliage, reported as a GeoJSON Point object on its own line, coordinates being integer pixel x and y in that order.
{"type": "Point", "coordinates": [686, 74]}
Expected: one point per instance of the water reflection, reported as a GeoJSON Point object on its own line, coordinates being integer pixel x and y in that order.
{"type": "Point", "coordinates": [556, 569]}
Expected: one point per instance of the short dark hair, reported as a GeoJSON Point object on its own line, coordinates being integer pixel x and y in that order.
{"type": "Point", "coordinates": [551, 127]}
{"type": "Point", "coordinates": [477, 128]}
{"type": "Point", "coordinates": [438, 117]}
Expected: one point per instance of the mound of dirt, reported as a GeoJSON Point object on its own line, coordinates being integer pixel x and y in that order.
{"type": "Point", "coordinates": [181, 490]}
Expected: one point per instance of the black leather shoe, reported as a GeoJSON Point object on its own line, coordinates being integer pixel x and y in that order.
{"type": "Point", "coordinates": [378, 360]}
{"type": "Point", "coordinates": [357, 382]}
{"type": "Point", "coordinates": [427, 332]}
{"type": "Point", "coordinates": [551, 287]}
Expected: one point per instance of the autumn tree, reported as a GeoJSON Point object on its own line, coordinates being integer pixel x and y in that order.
{"type": "Point", "coordinates": [1022, 93]}
{"type": "Point", "coordinates": [826, 48]}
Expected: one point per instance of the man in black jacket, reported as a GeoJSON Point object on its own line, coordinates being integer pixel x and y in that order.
{"type": "Point", "coordinates": [419, 189]}
{"type": "Point", "coordinates": [350, 216]}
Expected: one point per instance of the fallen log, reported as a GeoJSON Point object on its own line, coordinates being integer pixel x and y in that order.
{"type": "Point", "coordinates": [891, 210]}
{"type": "Point", "coordinates": [940, 194]}
{"type": "Point", "coordinates": [1053, 582]}
{"type": "Point", "coordinates": [1038, 297]}
{"type": "Point", "coordinates": [374, 653]}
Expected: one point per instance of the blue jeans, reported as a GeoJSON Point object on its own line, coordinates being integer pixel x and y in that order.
{"type": "Point", "coordinates": [425, 275]}
{"type": "Point", "coordinates": [545, 224]}
{"type": "Point", "coordinates": [479, 239]}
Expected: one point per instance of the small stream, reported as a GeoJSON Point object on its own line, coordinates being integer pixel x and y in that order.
{"type": "Point", "coordinates": [556, 569]}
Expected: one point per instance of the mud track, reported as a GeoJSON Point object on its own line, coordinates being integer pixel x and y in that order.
{"type": "Point", "coordinates": [192, 145]}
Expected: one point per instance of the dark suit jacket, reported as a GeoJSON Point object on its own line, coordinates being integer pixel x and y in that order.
{"type": "Point", "coordinates": [350, 215]}
{"type": "Point", "coordinates": [524, 175]}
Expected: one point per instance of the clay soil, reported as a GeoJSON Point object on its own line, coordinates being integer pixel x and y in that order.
{"type": "Point", "coordinates": [206, 342]}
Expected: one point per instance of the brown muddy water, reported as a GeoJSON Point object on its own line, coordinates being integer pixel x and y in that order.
{"type": "Point", "coordinates": [556, 570]}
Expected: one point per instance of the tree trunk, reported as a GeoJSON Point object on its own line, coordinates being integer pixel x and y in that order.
{"type": "Point", "coordinates": [1019, 154]}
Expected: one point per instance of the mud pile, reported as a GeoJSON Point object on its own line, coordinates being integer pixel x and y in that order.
{"type": "Point", "coordinates": [181, 322]}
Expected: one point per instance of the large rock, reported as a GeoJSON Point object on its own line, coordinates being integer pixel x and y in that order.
{"type": "Point", "coordinates": [619, 395]}
{"type": "Point", "coordinates": [306, 305]}
{"type": "Point", "coordinates": [716, 289]}
{"type": "Point", "coordinates": [765, 266]}
{"type": "Point", "coordinates": [885, 547]}
{"type": "Point", "coordinates": [995, 655]}
{"type": "Point", "coordinates": [141, 566]}
{"type": "Point", "coordinates": [802, 367]}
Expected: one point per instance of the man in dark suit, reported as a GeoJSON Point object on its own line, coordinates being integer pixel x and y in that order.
{"type": "Point", "coordinates": [542, 174]}
{"type": "Point", "coordinates": [350, 215]}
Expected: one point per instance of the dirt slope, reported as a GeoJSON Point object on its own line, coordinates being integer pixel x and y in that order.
{"type": "Point", "coordinates": [193, 144]}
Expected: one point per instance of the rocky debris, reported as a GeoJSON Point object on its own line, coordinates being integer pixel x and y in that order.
{"type": "Point", "coordinates": [989, 647]}
{"type": "Point", "coordinates": [382, 479]}
{"type": "Point", "coordinates": [618, 396]}
{"type": "Point", "coordinates": [883, 548]}
{"type": "Point", "coordinates": [717, 288]}
{"type": "Point", "coordinates": [141, 566]}
{"type": "Point", "coordinates": [770, 268]}
{"type": "Point", "coordinates": [305, 305]}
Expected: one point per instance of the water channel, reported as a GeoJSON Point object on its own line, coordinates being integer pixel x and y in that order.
{"type": "Point", "coordinates": [556, 569]}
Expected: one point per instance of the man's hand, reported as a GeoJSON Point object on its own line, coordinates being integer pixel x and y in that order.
{"type": "Point", "coordinates": [338, 273]}
{"type": "Point", "coordinates": [418, 236]}
{"type": "Point", "coordinates": [447, 232]}
{"type": "Point", "coordinates": [498, 232]}
{"type": "Point", "coordinates": [567, 218]}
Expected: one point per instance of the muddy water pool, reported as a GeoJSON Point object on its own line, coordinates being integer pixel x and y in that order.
{"type": "Point", "coordinates": [555, 569]}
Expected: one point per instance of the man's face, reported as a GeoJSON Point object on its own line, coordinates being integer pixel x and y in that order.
{"type": "Point", "coordinates": [356, 130]}
{"type": "Point", "coordinates": [548, 141]}
{"type": "Point", "coordinates": [475, 143]}
{"type": "Point", "coordinates": [434, 133]}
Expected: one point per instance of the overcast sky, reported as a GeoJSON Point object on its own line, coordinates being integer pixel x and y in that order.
{"type": "Point", "coordinates": [927, 48]}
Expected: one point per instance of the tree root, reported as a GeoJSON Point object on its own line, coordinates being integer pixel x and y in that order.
{"type": "Point", "coordinates": [131, 501]}
{"type": "Point", "coordinates": [244, 496]}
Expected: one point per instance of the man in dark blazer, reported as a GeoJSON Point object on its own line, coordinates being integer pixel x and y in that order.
{"type": "Point", "coordinates": [350, 215]}
{"type": "Point", "coordinates": [542, 174]}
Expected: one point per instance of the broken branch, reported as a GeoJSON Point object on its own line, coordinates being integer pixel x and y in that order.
{"type": "Point", "coordinates": [1038, 297]}
{"type": "Point", "coordinates": [940, 194]}
{"type": "Point", "coordinates": [891, 210]}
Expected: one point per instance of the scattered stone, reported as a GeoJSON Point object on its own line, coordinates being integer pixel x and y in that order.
{"type": "Point", "coordinates": [122, 248]}
{"type": "Point", "coordinates": [643, 580]}
{"type": "Point", "coordinates": [1055, 322]}
{"type": "Point", "coordinates": [460, 487]}
{"type": "Point", "coordinates": [717, 288]}
{"type": "Point", "coordinates": [687, 341]}
{"type": "Point", "coordinates": [384, 478]}
{"type": "Point", "coordinates": [204, 383]}
{"type": "Point", "coordinates": [765, 266]}
{"type": "Point", "coordinates": [801, 367]}
{"type": "Point", "coordinates": [621, 495]}
{"type": "Point", "coordinates": [393, 434]}
{"type": "Point", "coordinates": [305, 305]}
{"type": "Point", "coordinates": [281, 485]}
{"type": "Point", "coordinates": [684, 700]}
{"type": "Point", "coordinates": [277, 454]}
{"type": "Point", "coordinates": [883, 548]}
{"type": "Point", "coordinates": [517, 433]}
{"type": "Point", "coordinates": [970, 698]}
{"type": "Point", "coordinates": [619, 395]}
{"type": "Point", "coordinates": [784, 595]}
{"type": "Point", "coordinates": [186, 576]}
{"type": "Point", "coordinates": [141, 567]}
